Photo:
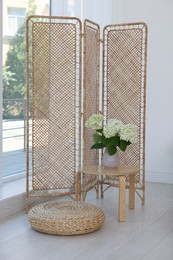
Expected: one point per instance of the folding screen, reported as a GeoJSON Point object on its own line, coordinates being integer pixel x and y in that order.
{"type": "Point", "coordinates": [57, 105]}
{"type": "Point", "coordinates": [53, 104]}
{"type": "Point", "coordinates": [124, 89]}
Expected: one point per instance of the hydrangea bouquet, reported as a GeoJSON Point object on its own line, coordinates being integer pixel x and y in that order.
{"type": "Point", "coordinates": [114, 134]}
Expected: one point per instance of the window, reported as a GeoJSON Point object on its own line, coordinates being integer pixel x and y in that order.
{"type": "Point", "coordinates": [14, 83]}
{"type": "Point", "coordinates": [16, 17]}
{"type": "Point", "coordinates": [13, 103]}
{"type": "Point", "coordinates": [71, 8]}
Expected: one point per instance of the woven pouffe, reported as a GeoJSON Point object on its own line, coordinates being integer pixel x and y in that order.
{"type": "Point", "coordinates": [66, 217]}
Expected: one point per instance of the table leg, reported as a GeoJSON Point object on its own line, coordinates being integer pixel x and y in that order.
{"type": "Point", "coordinates": [122, 199]}
{"type": "Point", "coordinates": [132, 191]}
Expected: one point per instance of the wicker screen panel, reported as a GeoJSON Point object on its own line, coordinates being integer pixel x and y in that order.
{"type": "Point", "coordinates": [124, 83]}
{"type": "Point", "coordinates": [55, 55]}
{"type": "Point", "coordinates": [91, 94]}
{"type": "Point", "coordinates": [91, 84]}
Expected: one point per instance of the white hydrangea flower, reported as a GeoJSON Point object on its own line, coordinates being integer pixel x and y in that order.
{"type": "Point", "coordinates": [114, 122]}
{"type": "Point", "coordinates": [94, 122]}
{"type": "Point", "coordinates": [128, 133]}
{"type": "Point", "coordinates": [109, 132]}
{"type": "Point", "coordinates": [117, 124]}
{"type": "Point", "coordinates": [113, 127]}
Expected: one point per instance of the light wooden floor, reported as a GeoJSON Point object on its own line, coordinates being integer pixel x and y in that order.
{"type": "Point", "coordinates": [146, 234]}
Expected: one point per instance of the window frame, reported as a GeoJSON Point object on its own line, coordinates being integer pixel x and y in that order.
{"type": "Point", "coordinates": [15, 17]}
{"type": "Point", "coordinates": [15, 176]}
{"type": "Point", "coordinates": [1, 86]}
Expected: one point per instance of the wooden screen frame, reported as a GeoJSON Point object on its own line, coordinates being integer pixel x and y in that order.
{"type": "Point", "coordinates": [124, 90]}
{"type": "Point", "coordinates": [53, 68]}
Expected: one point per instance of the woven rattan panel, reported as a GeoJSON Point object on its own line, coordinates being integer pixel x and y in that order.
{"type": "Point", "coordinates": [124, 69]}
{"type": "Point", "coordinates": [54, 57]}
{"type": "Point", "coordinates": [91, 88]}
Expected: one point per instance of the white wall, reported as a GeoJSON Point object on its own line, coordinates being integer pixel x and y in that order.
{"type": "Point", "coordinates": [158, 14]}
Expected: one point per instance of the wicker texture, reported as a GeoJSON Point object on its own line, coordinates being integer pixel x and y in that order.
{"type": "Point", "coordinates": [54, 94]}
{"type": "Point", "coordinates": [124, 87]}
{"type": "Point", "coordinates": [66, 217]}
{"type": "Point", "coordinates": [91, 94]}
{"type": "Point", "coordinates": [54, 53]}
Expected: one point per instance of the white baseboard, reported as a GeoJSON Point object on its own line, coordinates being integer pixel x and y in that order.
{"type": "Point", "coordinates": [17, 203]}
{"type": "Point", "coordinates": [12, 205]}
{"type": "Point", "coordinates": [161, 177]}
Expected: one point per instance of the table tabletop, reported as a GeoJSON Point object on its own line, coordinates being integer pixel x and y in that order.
{"type": "Point", "coordinates": [121, 170]}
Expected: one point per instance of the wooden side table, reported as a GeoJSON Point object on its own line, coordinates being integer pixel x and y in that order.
{"type": "Point", "coordinates": [121, 172]}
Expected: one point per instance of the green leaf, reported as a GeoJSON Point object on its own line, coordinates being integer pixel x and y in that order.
{"type": "Point", "coordinates": [97, 146]}
{"type": "Point", "coordinates": [116, 140]}
{"type": "Point", "coordinates": [112, 141]}
{"type": "Point", "coordinates": [97, 138]}
{"type": "Point", "coordinates": [100, 130]}
{"type": "Point", "coordinates": [123, 145]}
{"type": "Point", "coordinates": [112, 149]}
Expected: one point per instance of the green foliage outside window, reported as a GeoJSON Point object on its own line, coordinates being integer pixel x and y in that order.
{"type": "Point", "coordinates": [14, 72]}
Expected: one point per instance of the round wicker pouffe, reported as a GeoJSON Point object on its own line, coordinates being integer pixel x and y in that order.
{"type": "Point", "coordinates": [66, 217]}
